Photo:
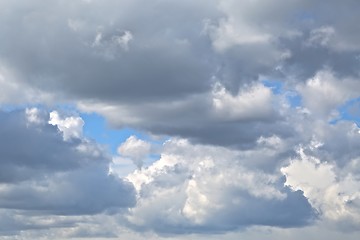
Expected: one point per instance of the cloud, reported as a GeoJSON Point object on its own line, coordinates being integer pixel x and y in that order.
{"type": "Point", "coordinates": [333, 193]}
{"type": "Point", "coordinates": [169, 66]}
{"type": "Point", "coordinates": [320, 36]}
{"type": "Point", "coordinates": [42, 174]}
{"type": "Point", "coordinates": [324, 93]}
{"type": "Point", "coordinates": [217, 117]}
{"type": "Point", "coordinates": [207, 189]}
{"type": "Point", "coordinates": [252, 103]}
{"type": "Point", "coordinates": [14, 92]}
{"type": "Point", "coordinates": [71, 127]}
{"type": "Point", "coordinates": [159, 75]}
{"type": "Point", "coordinates": [136, 149]}
{"type": "Point", "coordinates": [194, 72]}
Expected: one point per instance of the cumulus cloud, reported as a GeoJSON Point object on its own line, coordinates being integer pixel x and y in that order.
{"type": "Point", "coordinates": [324, 92]}
{"type": "Point", "coordinates": [71, 127]}
{"type": "Point", "coordinates": [136, 149]}
{"type": "Point", "coordinates": [255, 102]}
{"type": "Point", "coordinates": [333, 193]}
{"type": "Point", "coordinates": [199, 188]}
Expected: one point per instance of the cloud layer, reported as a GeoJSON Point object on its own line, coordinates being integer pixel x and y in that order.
{"type": "Point", "coordinates": [258, 103]}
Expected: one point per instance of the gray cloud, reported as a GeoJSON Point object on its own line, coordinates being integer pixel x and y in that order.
{"type": "Point", "coordinates": [162, 59]}
{"type": "Point", "coordinates": [40, 172]}
{"type": "Point", "coordinates": [159, 62]}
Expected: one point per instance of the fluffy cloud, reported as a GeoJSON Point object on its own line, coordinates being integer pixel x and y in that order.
{"type": "Point", "coordinates": [332, 192]}
{"type": "Point", "coordinates": [324, 93]}
{"type": "Point", "coordinates": [136, 149]}
{"type": "Point", "coordinates": [200, 189]}
{"type": "Point", "coordinates": [71, 127]}
{"type": "Point", "coordinates": [254, 103]}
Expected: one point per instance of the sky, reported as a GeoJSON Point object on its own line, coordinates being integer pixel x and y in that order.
{"type": "Point", "coordinates": [179, 120]}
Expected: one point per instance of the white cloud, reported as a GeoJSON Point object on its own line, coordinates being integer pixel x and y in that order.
{"type": "Point", "coordinates": [333, 193]}
{"type": "Point", "coordinates": [71, 127]}
{"type": "Point", "coordinates": [136, 149]}
{"type": "Point", "coordinates": [34, 115]}
{"type": "Point", "coordinates": [252, 103]}
{"type": "Point", "coordinates": [230, 33]}
{"type": "Point", "coordinates": [324, 92]}
{"type": "Point", "coordinates": [195, 187]}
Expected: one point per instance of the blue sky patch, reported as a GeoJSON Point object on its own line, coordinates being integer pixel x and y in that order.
{"type": "Point", "coordinates": [96, 128]}
{"type": "Point", "coordinates": [350, 111]}
{"type": "Point", "coordinates": [275, 86]}
{"type": "Point", "coordinates": [294, 99]}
